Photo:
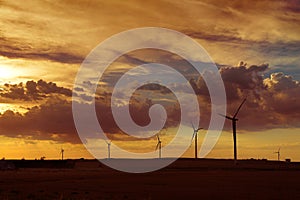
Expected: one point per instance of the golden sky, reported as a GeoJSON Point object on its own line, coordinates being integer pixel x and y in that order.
{"type": "Point", "coordinates": [43, 43]}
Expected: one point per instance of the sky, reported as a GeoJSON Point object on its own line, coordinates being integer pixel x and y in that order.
{"type": "Point", "coordinates": [43, 44]}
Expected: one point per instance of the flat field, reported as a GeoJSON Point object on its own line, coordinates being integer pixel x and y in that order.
{"type": "Point", "coordinates": [89, 181]}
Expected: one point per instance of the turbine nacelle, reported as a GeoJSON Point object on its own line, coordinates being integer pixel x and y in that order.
{"type": "Point", "coordinates": [228, 117]}
{"type": "Point", "coordinates": [195, 132]}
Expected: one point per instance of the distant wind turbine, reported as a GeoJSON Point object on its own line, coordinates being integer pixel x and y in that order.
{"type": "Point", "coordinates": [158, 146]}
{"type": "Point", "coordinates": [278, 154]}
{"type": "Point", "coordinates": [195, 134]}
{"type": "Point", "coordinates": [108, 148]}
{"type": "Point", "coordinates": [62, 153]}
{"type": "Point", "coordinates": [234, 120]}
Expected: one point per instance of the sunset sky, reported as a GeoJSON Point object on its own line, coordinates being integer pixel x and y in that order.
{"type": "Point", "coordinates": [43, 43]}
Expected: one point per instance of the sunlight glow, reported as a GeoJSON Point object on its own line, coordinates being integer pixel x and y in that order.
{"type": "Point", "coordinates": [6, 106]}
{"type": "Point", "coordinates": [7, 72]}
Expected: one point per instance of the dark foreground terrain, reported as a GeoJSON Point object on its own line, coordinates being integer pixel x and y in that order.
{"type": "Point", "coordinates": [89, 181]}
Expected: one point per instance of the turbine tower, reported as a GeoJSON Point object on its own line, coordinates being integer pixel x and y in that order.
{"type": "Point", "coordinates": [195, 134]}
{"type": "Point", "coordinates": [278, 154]}
{"type": "Point", "coordinates": [62, 153]}
{"type": "Point", "coordinates": [108, 148]}
{"type": "Point", "coordinates": [234, 120]}
{"type": "Point", "coordinates": [158, 146]}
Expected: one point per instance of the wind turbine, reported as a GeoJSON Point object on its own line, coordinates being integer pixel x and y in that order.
{"type": "Point", "coordinates": [158, 146]}
{"type": "Point", "coordinates": [108, 148]}
{"type": "Point", "coordinates": [278, 154]}
{"type": "Point", "coordinates": [234, 120]}
{"type": "Point", "coordinates": [62, 153]}
{"type": "Point", "coordinates": [195, 134]}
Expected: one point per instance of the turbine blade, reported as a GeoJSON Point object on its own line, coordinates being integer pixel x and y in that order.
{"type": "Point", "coordinates": [237, 111]}
{"type": "Point", "coordinates": [158, 139]}
{"type": "Point", "coordinates": [227, 117]}
{"type": "Point", "coordinates": [222, 115]}
{"type": "Point", "coordinates": [193, 125]}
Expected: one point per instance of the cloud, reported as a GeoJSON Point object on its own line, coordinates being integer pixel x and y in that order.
{"type": "Point", "coordinates": [293, 6]}
{"type": "Point", "coordinates": [49, 87]}
{"type": "Point", "coordinates": [39, 31]}
{"type": "Point", "coordinates": [51, 120]}
{"type": "Point", "coordinates": [32, 90]}
{"type": "Point", "coordinates": [16, 49]}
{"type": "Point", "coordinates": [271, 101]}
{"type": "Point", "coordinates": [139, 109]}
{"type": "Point", "coordinates": [155, 87]}
{"type": "Point", "coordinates": [281, 82]}
{"type": "Point", "coordinates": [278, 52]}
{"type": "Point", "coordinates": [285, 96]}
{"type": "Point", "coordinates": [216, 37]}
{"type": "Point", "coordinates": [241, 21]}
{"type": "Point", "coordinates": [238, 79]}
